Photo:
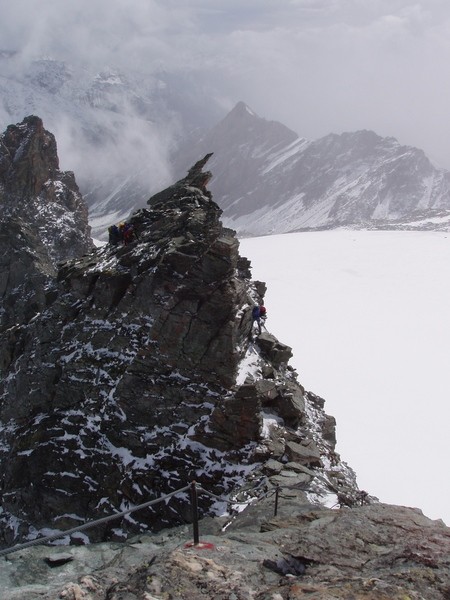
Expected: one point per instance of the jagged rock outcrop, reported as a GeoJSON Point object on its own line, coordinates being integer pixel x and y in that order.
{"type": "Point", "coordinates": [44, 219]}
{"type": "Point", "coordinates": [25, 269]}
{"type": "Point", "coordinates": [139, 375]}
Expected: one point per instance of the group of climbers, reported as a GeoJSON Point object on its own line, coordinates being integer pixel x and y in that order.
{"type": "Point", "coordinates": [123, 233]}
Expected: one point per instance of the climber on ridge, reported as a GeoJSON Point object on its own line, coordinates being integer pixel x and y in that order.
{"type": "Point", "coordinates": [114, 235]}
{"type": "Point", "coordinates": [259, 315]}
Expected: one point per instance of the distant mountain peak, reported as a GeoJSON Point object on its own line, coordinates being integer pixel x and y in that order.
{"type": "Point", "coordinates": [242, 109]}
{"type": "Point", "coordinates": [241, 116]}
{"type": "Point", "coordinates": [267, 179]}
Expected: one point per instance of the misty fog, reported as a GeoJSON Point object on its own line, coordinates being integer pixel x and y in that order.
{"type": "Point", "coordinates": [127, 79]}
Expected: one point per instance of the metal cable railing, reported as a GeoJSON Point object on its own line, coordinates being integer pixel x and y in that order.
{"type": "Point", "coordinates": [193, 487]}
{"type": "Point", "coordinates": [89, 524]}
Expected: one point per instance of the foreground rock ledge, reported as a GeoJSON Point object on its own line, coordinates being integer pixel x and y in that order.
{"type": "Point", "coordinates": [380, 552]}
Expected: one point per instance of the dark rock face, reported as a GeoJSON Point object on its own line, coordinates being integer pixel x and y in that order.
{"type": "Point", "coordinates": [44, 219]}
{"type": "Point", "coordinates": [25, 269]}
{"type": "Point", "coordinates": [277, 353]}
{"type": "Point", "coordinates": [139, 375]}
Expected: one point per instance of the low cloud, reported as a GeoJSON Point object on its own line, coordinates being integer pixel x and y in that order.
{"type": "Point", "coordinates": [318, 66]}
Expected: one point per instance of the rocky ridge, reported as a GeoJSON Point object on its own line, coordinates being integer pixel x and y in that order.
{"type": "Point", "coordinates": [137, 374]}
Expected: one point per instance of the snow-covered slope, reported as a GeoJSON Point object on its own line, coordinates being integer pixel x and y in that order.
{"type": "Point", "coordinates": [366, 313]}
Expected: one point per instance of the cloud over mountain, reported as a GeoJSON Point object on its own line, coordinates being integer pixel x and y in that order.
{"type": "Point", "coordinates": [317, 66]}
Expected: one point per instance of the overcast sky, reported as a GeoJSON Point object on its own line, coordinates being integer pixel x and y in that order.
{"type": "Point", "coordinates": [318, 66]}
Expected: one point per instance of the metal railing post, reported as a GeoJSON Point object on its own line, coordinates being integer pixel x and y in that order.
{"type": "Point", "coordinates": [277, 489]}
{"type": "Point", "coordinates": [194, 503]}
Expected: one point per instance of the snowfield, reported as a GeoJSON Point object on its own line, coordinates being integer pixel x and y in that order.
{"type": "Point", "coordinates": [367, 314]}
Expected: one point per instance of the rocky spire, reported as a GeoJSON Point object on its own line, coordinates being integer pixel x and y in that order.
{"type": "Point", "coordinates": [196, 177]}
{"type": "Point", "coordinates": [28, 158]}
{"type": "Point", "coordinates": [44, 219]}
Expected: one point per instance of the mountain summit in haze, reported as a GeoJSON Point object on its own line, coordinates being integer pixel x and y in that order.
{"type": "Point", "coordinates": [269, 180]}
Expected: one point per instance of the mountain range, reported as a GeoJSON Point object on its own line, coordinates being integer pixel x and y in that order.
{"type": "Point", "coordinates": [269, 180]}
{"type": "Point", "coordinates": [127, 136]}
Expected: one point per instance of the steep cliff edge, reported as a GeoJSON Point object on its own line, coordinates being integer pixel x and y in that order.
{"type": "Point", "coordinates": [138, 375]}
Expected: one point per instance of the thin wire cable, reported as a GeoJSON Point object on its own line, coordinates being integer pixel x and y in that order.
{"type": "Point", "coordinates": [228, 501]}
